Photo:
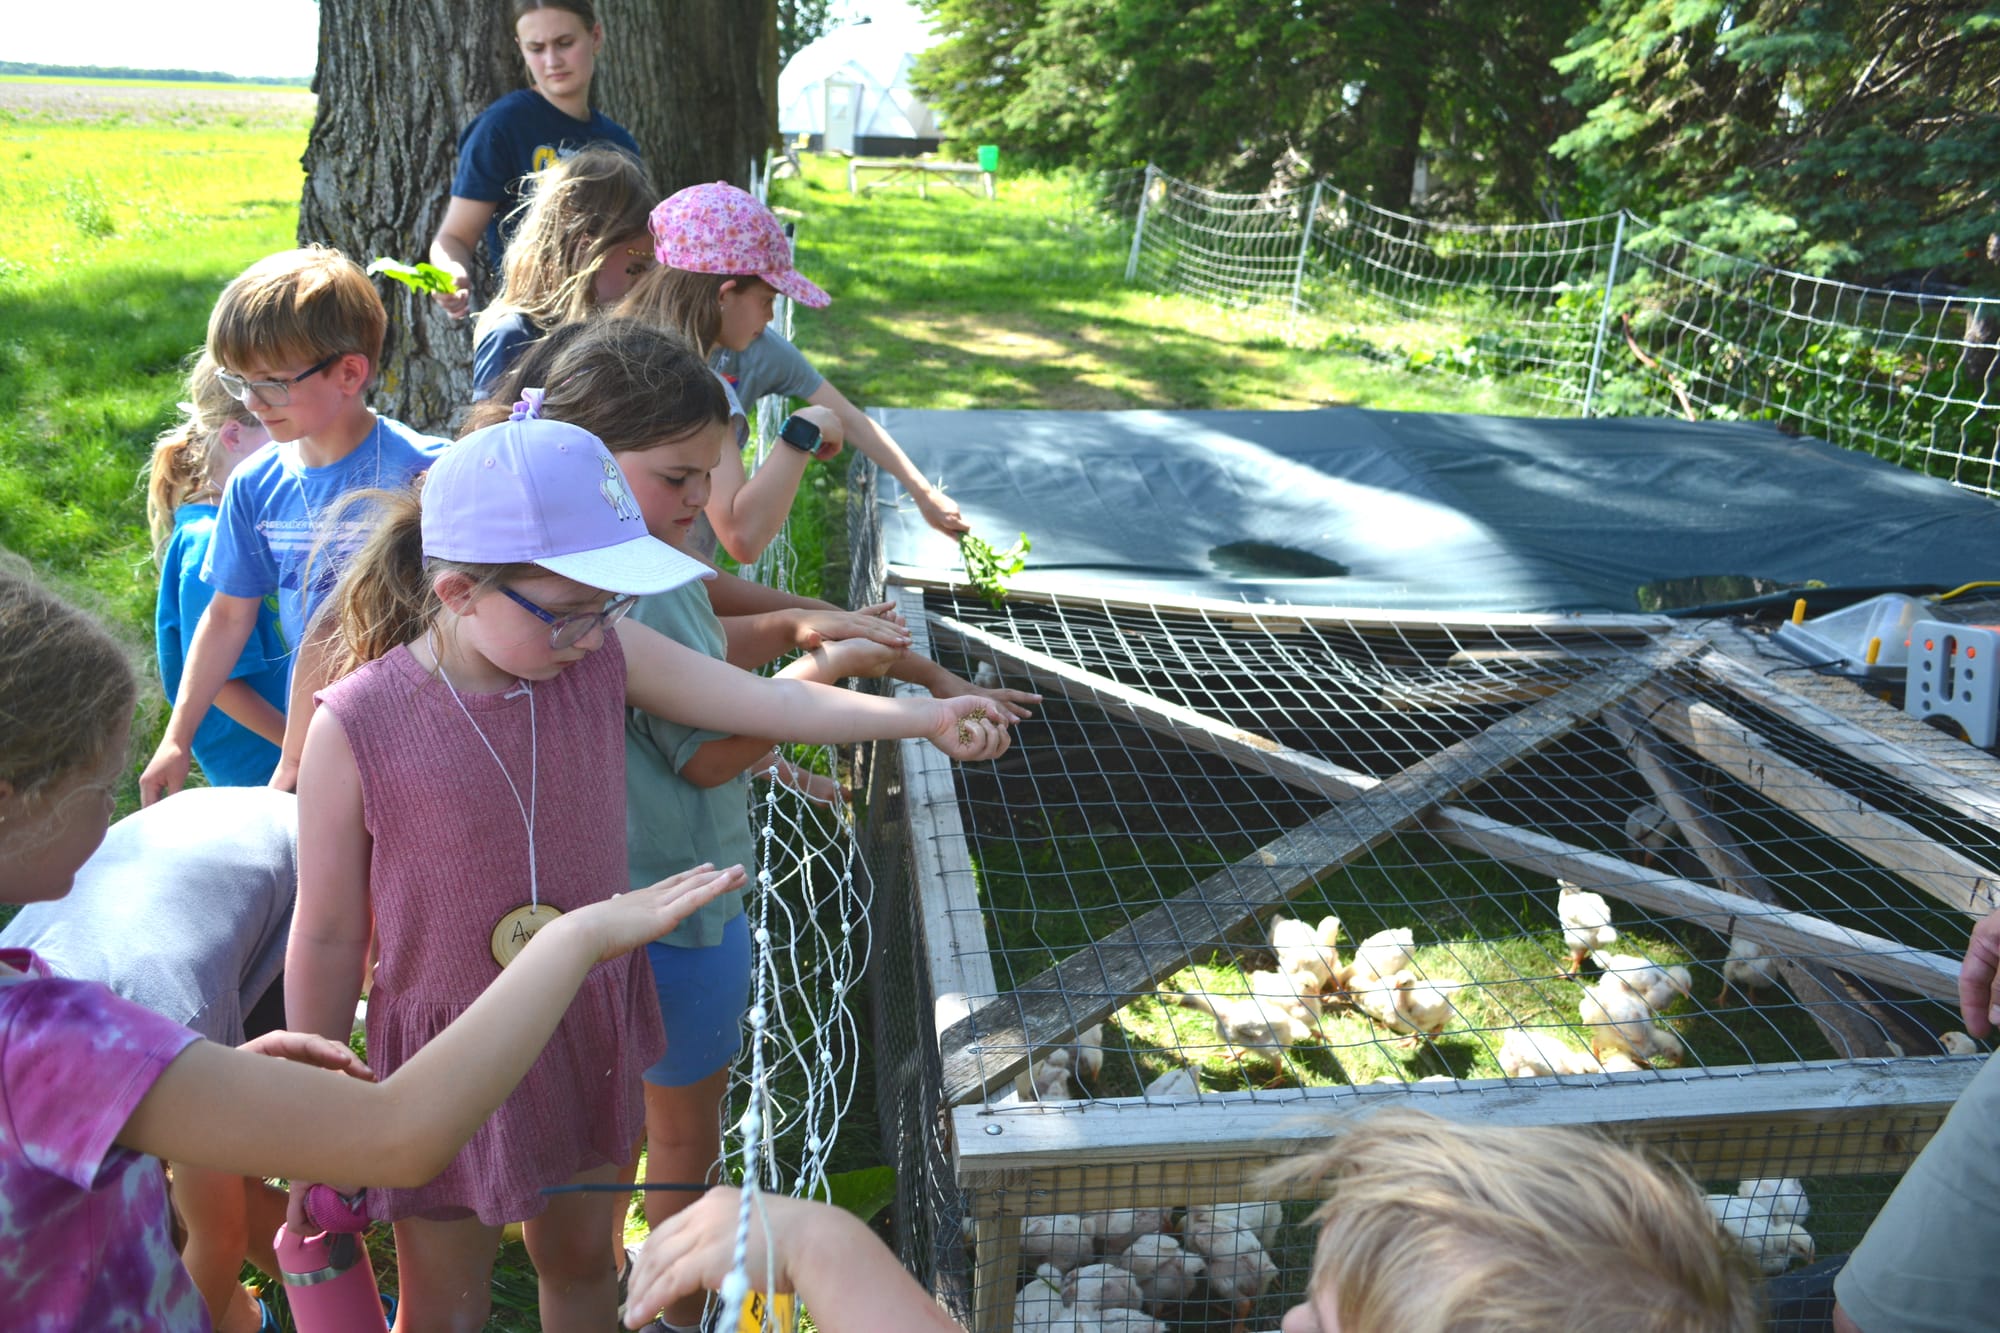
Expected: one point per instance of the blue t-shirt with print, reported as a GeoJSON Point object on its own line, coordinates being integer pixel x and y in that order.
{"type": "Point", "coordinates": [519, 134]}
{"type": "Point", "coordinates": [230, 754]}
{"type": "Point", "coordinates": [274, 505]}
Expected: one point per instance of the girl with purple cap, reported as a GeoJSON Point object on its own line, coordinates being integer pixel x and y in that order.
{"type": "Point", "coordinates": [723, 259]}
{"type": "Point", "coordinates": [95, 1090]}
{"type": "Point", "coordinates": [477, 745]}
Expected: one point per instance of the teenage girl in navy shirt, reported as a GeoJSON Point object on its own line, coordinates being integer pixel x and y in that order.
{"type": "Point", "coordinates": [520, 134]}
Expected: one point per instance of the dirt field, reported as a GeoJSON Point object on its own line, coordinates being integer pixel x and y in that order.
{"type": "Point", "coordinates": [138, 104]}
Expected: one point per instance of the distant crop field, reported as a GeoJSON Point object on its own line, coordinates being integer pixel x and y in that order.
{"type": "Point", "coordinates": [154, 102]}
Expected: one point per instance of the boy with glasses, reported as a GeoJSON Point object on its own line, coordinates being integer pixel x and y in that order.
{"type": "Point", "coordinates": [297, 337]}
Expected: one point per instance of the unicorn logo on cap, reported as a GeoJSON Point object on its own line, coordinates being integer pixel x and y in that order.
{"type": "Point", "coordinates": [612, 488]}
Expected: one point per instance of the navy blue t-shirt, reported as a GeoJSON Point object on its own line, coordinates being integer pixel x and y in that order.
{"type": "Point", "coordinates": [521, 133]}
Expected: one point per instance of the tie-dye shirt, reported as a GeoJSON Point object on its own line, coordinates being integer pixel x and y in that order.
{"type": "Point", "coordinates": [83, 1222]}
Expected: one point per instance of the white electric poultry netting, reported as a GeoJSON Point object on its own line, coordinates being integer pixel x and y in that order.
{"type": "Point", "coordinates": [1608, 315]}
{"type": "Point", "coordinates": [793, 1087]}
{"type": "Point", "coordinates": [1627, 875]}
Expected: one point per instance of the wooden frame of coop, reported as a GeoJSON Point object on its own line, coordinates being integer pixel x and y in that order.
{"type": "Point", "coordinates": [1869, 1111]}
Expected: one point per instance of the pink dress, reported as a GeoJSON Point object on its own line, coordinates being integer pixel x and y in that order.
{"type": "Point", "coordinates": [450, 859]}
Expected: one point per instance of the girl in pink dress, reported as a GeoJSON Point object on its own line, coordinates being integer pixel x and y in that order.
{"type": "Point", "coordinates": [464, 785]}
{"type": "Point", "coordinates": [95, 1090]}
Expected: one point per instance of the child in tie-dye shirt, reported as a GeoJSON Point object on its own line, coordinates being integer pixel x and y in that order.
{"type": "Point", "coordinates": [95, 1090]}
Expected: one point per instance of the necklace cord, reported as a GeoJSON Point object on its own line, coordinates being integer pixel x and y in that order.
{"type": "Point", "coordinates": [534, 768]}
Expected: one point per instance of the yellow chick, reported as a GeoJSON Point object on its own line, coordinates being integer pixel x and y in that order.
{"type": "Point", "coordinates": [1166, 1272]}
{"type": "Point", "coordinates": [1620, 1020]}
{"type": "Point", "coordinates": [1406, 1005]}
{"type": "Point", "coordinates": [1525, 1054]}
{"type": "Point", "coordinates": [1586, 922]}
{"type": "Point", "coordinates": [1652, 982]}
{"type": "Point", "coordinates": [1381, 955]}
{"type": "Point", "coordinates": [1749, 968]}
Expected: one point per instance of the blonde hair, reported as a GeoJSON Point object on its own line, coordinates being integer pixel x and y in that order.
{"type": "Point", "coordinates": [187, 458]}
{"type": "Point", "coordinates": [629, 384]}
{"type": "Point", "coordinates": [67, 687]}
{"type": "Point", "coordinates": [1435, 1227]}
{"type": "Point", "coordinates": [577, 216]}
{"type": "Point", "coordinates": [299, 306]}
{"type": "Point", "coordinates": [387, 595]}
{"type": "Point", "coordinates": [682, 301]}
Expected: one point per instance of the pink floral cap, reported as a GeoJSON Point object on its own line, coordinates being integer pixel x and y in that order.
{"type": "Point", "coordinates": [721, 229]}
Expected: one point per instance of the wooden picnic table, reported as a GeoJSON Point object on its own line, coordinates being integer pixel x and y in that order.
{"type": "Point", "coordinates": [902, 170]}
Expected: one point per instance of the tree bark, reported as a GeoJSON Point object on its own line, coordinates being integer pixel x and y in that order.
{"type": "Point", "coordinates": [695, 81]}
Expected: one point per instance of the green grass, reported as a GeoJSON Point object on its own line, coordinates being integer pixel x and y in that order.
{"type": "Point", "coordinates": [174, 85]}
{"type": "Point", "coordinates": [962, 302]}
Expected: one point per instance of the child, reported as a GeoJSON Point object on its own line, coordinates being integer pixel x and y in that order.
{"type": "Point", "coordinates": [183, 910]}
{"type": "Point", "coordinates": [1430, 1227]}
{"type": "Point", "coordinates": [522, 133]}
{"type": "Point", "coordinates": [661, 413]}
{"type": "Point", "coordinates": [295, 339]}
{"type": "Point", "coordinates": [94, 1089]}
{"type": "Point", "coordinates": [479, 613]}
{"type": "Point", "coordinates": [580, 244]}
{"type": "Point", "coordinates": [237, 744]}
{"type": "Point", "coordinates": [722, 260]}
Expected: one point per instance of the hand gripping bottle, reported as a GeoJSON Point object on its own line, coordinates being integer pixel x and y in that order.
{"type": "Point", "coordinates": [328, 1280]}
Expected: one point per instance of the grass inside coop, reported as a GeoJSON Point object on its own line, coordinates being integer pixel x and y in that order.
{"type": "Point", "coordinates": [1475, 920]}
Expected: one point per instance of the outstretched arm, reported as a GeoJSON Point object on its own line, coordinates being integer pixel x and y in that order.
{"type": "Point", "coordinates": [237, 1110]}
{"type": "Point", "coordinates": [867, 436]}
{"type": "Point", "coordinates": [842, 1273]}
{"type": "Point", "coordinates": [675, 682]}
{"type": "Point", "coordinates": [716, 762]}
{"type": "Point", "coordinates": [746, 511]}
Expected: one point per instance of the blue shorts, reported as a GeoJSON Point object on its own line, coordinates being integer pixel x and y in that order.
{"type": "Point", "coordinates": [703, 995]}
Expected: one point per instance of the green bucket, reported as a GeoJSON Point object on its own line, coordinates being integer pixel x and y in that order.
{"type": "Point", "coordinates": [989, 157]}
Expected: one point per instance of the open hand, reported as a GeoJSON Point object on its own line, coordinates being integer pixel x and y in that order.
{"type": "Point", "coordinates": [819, 627]}
{"type": "Point", "coordinates": [854, 657]}
{"type": "Point", "coordinates": [691, 1251]}
{"type": "Point", "coordinates": [309, 1048]}
{"type": "Point", "coordinates": [625, 921]}
{"type": "Point", "coordinates": [970, 729]}
{"type": "Point", "coordinates": [1011, 705]}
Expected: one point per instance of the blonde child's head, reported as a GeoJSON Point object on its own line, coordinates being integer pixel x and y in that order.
{"type": "Point", "coordinates": [67, 689]}
{"type": "Point", "coordinates": [297, 308]}
{"type": "Point", "coordinates": [194, 456]}
{"type": "Point", "coordinates": [1435, 1227]}
{"type": "Point", "coordinates": [628, 383]}
{"type": "Point", "coordinates": [580, 242]}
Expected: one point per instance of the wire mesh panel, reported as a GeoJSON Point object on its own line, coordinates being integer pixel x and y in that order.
{"type": "Point", "coordinates": [1256, 864]}
{"type": "Point", "coordinates": [1604, 315]}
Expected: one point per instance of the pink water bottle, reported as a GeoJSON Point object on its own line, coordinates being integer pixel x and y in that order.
{"type": "Point", "coordinates": [328, 1279]}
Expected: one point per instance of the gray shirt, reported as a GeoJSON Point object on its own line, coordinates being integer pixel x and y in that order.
{"type": "Point", "coordinates": [184, 910]}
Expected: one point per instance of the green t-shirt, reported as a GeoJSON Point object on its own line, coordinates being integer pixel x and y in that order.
{"type": "Point", "coordinates": [670, 823]}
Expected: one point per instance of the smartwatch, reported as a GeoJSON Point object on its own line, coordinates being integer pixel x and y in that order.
{"type": "Point", "coordinates": [801, 434]}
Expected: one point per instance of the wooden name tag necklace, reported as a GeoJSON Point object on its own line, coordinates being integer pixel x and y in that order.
{"type": "Point", "coordinates": [514, 929]}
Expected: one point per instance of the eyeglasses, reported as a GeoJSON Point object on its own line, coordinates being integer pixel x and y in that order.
{"type": "Point", "coordinates": [567, 631]}
{"type": "Point", "coordinates": [272, 393]}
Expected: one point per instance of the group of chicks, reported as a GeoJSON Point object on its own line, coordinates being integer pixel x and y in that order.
{"type": "Point", "coordinates": [1767, 1218]}
{"type": "Point", "coordinates": [1134, 1270]}
{"type": "Point", "coordinates": [1285, 1003]}
{"type": "Point", "coordinates": [1621, 1008]}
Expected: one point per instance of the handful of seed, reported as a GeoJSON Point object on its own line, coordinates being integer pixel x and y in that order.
{"type": "Point", "coordinates": [978, 714]}
{"type": "Point", "coordinates": [987, 570]}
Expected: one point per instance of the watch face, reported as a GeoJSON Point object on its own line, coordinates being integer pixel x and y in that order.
{"type": "Point", "coordinates": [800, 434]}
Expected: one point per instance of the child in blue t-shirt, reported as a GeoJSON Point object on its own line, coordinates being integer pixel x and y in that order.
{"type": "Point", "coordinates": [295, 339]}
{"type": "Point", "coordinates": [237, 743]}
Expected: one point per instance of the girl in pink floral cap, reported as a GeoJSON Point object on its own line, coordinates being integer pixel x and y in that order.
{"type": "Point", "coordinates": [723, 261]}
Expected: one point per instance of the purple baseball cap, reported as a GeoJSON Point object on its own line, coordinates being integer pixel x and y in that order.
{"type": "Point", "coordinates": [721, 229]}
{"type": "Point", "coordinates": [550, 494]}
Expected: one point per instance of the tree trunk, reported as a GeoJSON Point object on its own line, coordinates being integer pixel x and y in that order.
{"type": "Point", "coordinates": [694, 80]}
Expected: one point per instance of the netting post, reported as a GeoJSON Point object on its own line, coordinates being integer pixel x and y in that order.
{"type": "Point", "coordinates": [1139, 227]}
{"type": "Point", "coordinates": [1604, 314]}
{"type": "Point", "coordinates": [1305, 248]}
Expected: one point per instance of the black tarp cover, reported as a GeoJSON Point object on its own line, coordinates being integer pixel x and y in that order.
{"type": "Point", "coordinates": [1428, 512]}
